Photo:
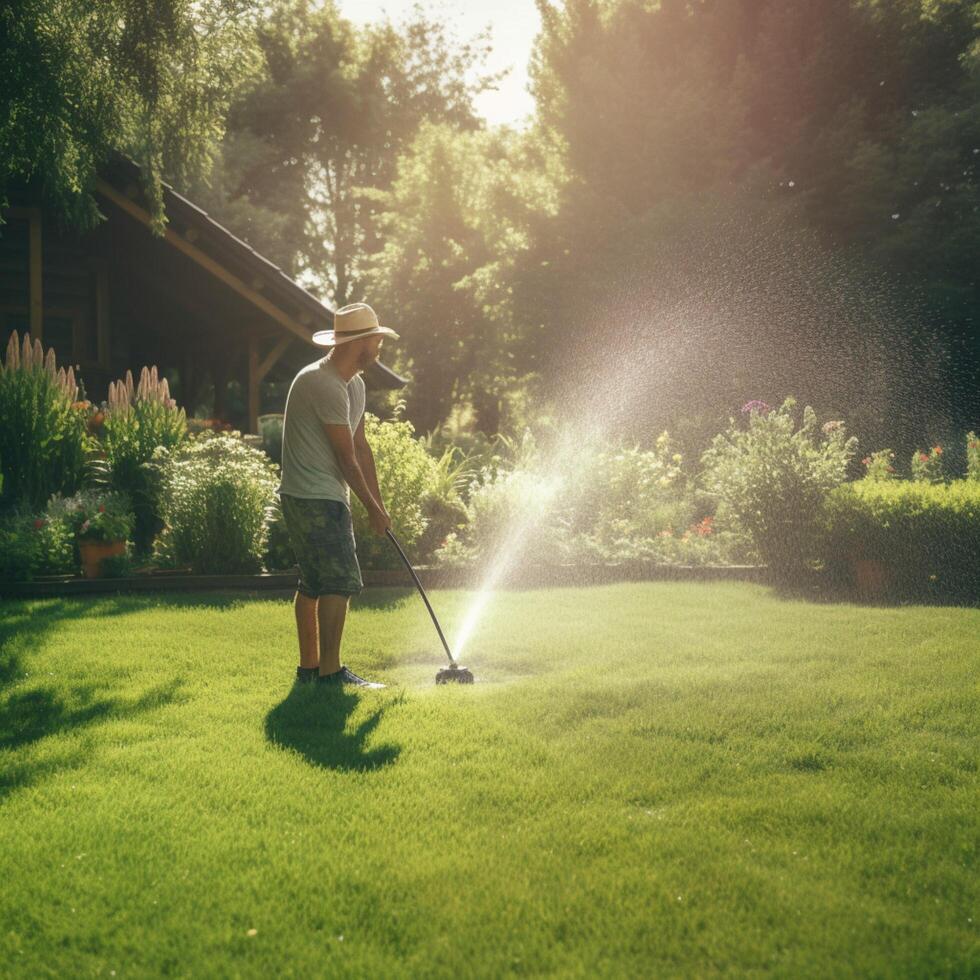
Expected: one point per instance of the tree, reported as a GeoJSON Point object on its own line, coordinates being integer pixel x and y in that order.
{"type": "Point", "coordinates": [326, 118]}
{"type": "Point", "coordinates": [82, 79]}
{"type": "Point", "coordinates": [859, 119]}
{"type": "Point", "coordinates": [454, 226]}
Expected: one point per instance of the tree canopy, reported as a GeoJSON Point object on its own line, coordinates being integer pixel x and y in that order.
{"type": "Point", "coordinates": [722, 197]}
{"type": "Point", "coordinates": [82, 79]}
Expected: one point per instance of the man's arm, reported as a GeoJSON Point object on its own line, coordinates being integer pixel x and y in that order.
{"type": "Point", "coordinates": [342, 442]}
{"type": "Point", "coordinates": [365, 458]}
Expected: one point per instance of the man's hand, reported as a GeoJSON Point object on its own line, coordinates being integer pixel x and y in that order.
{"type": "Point", "coordinates": [380, 520]}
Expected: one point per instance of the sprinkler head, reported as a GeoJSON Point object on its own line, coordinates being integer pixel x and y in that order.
{"type": "Point", "coordinates": [454, 675]}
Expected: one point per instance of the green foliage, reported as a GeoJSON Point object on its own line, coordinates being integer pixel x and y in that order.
{"type": "Point", "coordinates": [95, 514]}
{"type": "Point", "coordinates": [878, 465]}
{"type": "Point", "coordinates": [278, 550]}
{"type": "Point", "coordinates": [32, 545]}
{"type": "Point", "coordinates": [43, 434]}
{"type": "Point", "coordinates": [608, 506]}
{"type": "Point", "coordinates": [972, 456]}
{"type": "Point", "coordinates": [138, 420]}
{"type": "Point", "coordinates": [696, 155]}
{"type": "Point", "coordinates": [117, 566]}
{"type": "Point", "coordinates": [465, 455]}
{"type": "Point", "coordinates": [773, 478]}
{"type": "Point", "coordinates": [216, 495]}
{"type": "Point", "coordinates": [318, 133]}
{"type": "Point", "coordinates": [82, 79]}
{"type": "Point", "coordinates": [927, 467]}
{"type": "Point", "coordinates": [928, 534]}
{"type": "Point", "coordinates": [630, 493]}
{"type": "Point", "coordinates": [455, 224]}
{"type": "Point", "coordinates": [406, 474]}
{"type": "Point", "coordinates": [510, 516]}
{"type": "Point", "coordinates": [270, 428]}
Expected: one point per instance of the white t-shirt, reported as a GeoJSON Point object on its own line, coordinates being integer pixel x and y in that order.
{"type": "Point", "coordinates": [318, 396]}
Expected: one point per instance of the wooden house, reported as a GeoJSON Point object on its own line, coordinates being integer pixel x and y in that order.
{"type": "Point", "coordinates": [199, 303]}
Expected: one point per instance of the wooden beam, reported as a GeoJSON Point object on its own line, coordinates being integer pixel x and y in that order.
{"type": "Point", "coordinates": [206, 262]}
{"type": "Point", "coordinates": [270, 359]}
{"type": "Point", "coordinates": [37, 296]}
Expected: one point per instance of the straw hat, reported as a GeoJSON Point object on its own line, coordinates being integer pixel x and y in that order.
{"type": "Point", "coordinates": [351, 323]}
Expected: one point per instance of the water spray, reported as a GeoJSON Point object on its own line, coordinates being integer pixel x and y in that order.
{"type": "Point", "coordinates": [453, 674]}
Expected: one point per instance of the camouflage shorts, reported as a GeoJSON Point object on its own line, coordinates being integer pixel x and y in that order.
{"type": "Point", "coordinates": [322, 535]}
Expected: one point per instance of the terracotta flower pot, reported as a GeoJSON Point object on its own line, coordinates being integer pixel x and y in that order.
{"type": "Point", "coordinates": [870, 576]}
{"type": "Point", "coordinates": [93, 552]}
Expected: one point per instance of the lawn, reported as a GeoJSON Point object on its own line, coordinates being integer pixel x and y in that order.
{"type": "Point", "coordinates": [647, 780]}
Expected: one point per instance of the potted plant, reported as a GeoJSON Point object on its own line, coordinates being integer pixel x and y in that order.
{"type": "Point", "coordinates": [103, 523]}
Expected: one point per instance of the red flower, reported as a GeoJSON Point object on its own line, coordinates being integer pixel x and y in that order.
{"type": "Point", "coordinates": [101, 508]}
{"type": "Point", "coordinates": [938, 450]}
{"type": "Point", "coordinates": [704, 528]}
{"type": "Point", "coordinates": [39, 523]}
{"type": "Point", "coordinates": [866, 461]}
{"type": "Point", "coordinates": [924, 457]}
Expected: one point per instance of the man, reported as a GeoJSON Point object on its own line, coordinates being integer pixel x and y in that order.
{"type": "Point", "coordinates": [324, 455]}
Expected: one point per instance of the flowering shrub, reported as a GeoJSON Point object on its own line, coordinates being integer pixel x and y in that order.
{"type": "Point", "coordinates": [773, 479]}
{"type": "Point", "coordinates": [406, 474]}
{"type": "Point", "coordinates": [972, 456]}
{"type": "Point", "coordinates": [216, 495]}
{"type": "Point", "coordinates": [279, 553]}
{"type": "Point", "coordinates": [614, 505]}
{"type": "Point", "coordinates": [32, 545]}
{"type": "Point", "coordinates": [928, 534]}
{"type": "Point", "coordinates": [508, 511]}
{"type": "Point", "coordinates": [95, 515]}
{"type": "Point", "coordinates": [44, 437]}
{"type": "Point", "coordinates": [629, 492]}
{"type": "Point", "coordinates": [137, 420]}
{"type": "Point", "coordinates": [878, 466]}
{"type": "Point", "coordinates": [928, 467]}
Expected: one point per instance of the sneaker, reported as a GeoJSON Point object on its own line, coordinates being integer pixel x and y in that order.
{"type": "Point", "coordinates": [306, 674]}
{"type": "Point", "coordinates": [346, 676]}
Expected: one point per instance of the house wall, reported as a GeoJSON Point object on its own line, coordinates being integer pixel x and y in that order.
{"type": "Point", "coordinates": [54, 285]}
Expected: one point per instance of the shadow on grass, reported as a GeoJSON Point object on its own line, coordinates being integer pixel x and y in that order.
{"type": "Point", "coordinates": [830, 592]}
{"type": "Point", "coordinates": [313, 721]}
{"type": "Point", "coordinates": [31, 710]}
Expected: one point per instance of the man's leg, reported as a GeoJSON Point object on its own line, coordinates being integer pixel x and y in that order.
{"type": "Point", "coordinates": [331, 613]}
{"type": "Point", "coordinates": [306, 627]}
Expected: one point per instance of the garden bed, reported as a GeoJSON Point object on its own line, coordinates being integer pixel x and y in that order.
{"type": "Point", "coordinates": [431, 577]}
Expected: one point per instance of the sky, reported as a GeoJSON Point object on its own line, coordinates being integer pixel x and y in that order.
{"type": "Point", "coordinates": [514, 24]}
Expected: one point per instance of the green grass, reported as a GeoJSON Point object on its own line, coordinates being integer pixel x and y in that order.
{"type": "Point", "coordinates": [647, 780]}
